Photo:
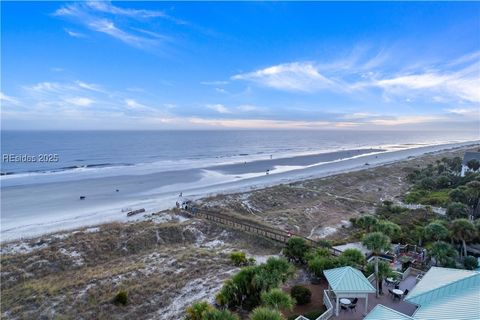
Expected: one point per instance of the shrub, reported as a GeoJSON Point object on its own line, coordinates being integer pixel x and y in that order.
{"type": "Point", "coordinates": [266, 314]}
{"type": "Point", "coordinates": [470, 263]}
{"type": "Point", "coordinates": [277, 299]}
{"type": "Point", "coordinates": [318, 264]}
{"type": "Point", "coordinates": [457, 210]}
{"type": "Point", "coordinates": [302, 294]}
{"type": "Point", "coordinates": [121, 298]}
{"type": "Point", "coordinates": [296, 249]}
{"type": "Point", "coordinates": [239, 258]}
{"type": "Point", "coordinates": [352, 257]}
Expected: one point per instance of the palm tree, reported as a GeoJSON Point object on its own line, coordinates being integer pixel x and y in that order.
{"type": "Point", "coordinates": [376, 242]}
{"type": "Point", "coordinates": [263, 313]}
{"type": "Point", "coordinates": [444, 253]}
{"type": "Point", "coordinates": [462, 230]}
{"type": "Point", "coordinates": [277, 299]}
{"type": "Point", "coordinates": [436, 231]}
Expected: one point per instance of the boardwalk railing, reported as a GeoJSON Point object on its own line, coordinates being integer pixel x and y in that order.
{"type": "Point", "coordinates": [247, 226]}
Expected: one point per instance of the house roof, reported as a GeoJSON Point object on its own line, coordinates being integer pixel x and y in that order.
{"type": "Point", "coordinates": [380, 312]}
{"type": "Point", "coordinates": [436, 278]}
{"type": "Point", "coordinates": [470, 155]}
{"type": "Point", "coordinates": [348, 280]}
{"type": "Point", "coordinates": [445, 293]}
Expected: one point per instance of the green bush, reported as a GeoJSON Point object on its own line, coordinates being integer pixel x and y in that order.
{"type": "Point", "coordinates": [301, 294]}
{"type": "Point", "coordinates": [239, 258]}
{"type": "Point", "coordinates": [296, 249]}
{"type": "Point", "coordinates": [470, 263]}
{"type": "Point", "coordinates": [121, 298]}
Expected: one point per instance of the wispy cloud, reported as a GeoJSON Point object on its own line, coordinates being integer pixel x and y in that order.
{"type": "Point", "coordinates": [220, 108]}
{"type": "Point", "coordinates": [74, 33]}
{"type": "Point", "coordinates": [295, 76]}
{"type": "Point", "coordinates": [244, 108]}
{"type": "Point", "coordinates": [454, 81]}
{"type": "Point", "coordinates": [104, 17]}
{"type": "Point", "coordinates": [8, 99]}
{"type": "Point", "coordinates": [80, 101]}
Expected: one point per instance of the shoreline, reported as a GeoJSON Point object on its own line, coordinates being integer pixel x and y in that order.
{"type": "Point", "coordinates": [211, 182]}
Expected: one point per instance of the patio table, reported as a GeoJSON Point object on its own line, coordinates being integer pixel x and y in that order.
{"type": "Point", "coordinates": [345, 301]}
{"type": "Point", "coordinates": [397, 291]}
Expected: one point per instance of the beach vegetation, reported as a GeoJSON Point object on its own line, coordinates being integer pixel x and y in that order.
{"type": "Point", "coordinates": [202, 310]}
{"type": "Point", "coordinates": [239, 258]}
{"type": "Point", "coordinates": [462, 230]}
{"type": "Point", "coordinates": [366, 222]}
{"type": "Point", "coordinates": [384, 271]}
{"type": "Point", "coordinates": [457, 210]}
{"type": "Point", "coordinates": [277, 299]}
{"type": "Point", "coordinates": [352, 257]}
{"type": "Point", "coordinates": [263, 313]}
{"type": "Point", "coordinates": [444, 254]}
{"type": "Point", "coordinates": [121, 298]}
{"type": "Point", "coordinates": [301, 294]}
{"type": "Point", "coordinates": [377, 242]}
{"type": "Point", "coordinates": [436, 231]}
{"type": "Point", "coordinates": [244, 289]}
{"type": "Point", "coordinates": [470, 263]}
{"type": "Point", "coordinates": [296, 249]}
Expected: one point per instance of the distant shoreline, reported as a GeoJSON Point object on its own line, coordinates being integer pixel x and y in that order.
{"type": "Point", "coordinates": [156, 192]}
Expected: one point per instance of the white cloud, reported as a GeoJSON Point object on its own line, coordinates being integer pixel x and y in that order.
{"type": "Point", "coordinates": [463, 85]}
{"type": "Point", "coordinates": [295, 76]}
{"type": "Point", "coordinates": [74, 34]}
{"type": "Point", "coordinates": [220, 108]}
{"type": "Point", "coordinates": [5, 98]}
{"type": "Point", "coordinates": [221, 90]}
{"type": "Point", "coordinates": [107, 7]}
{"type": "Point", "coordinates": [468, 112]}
{"type": "Point", "coordinates": [105, 18]}
{"type": "Point", "coordinates": [80, 101]}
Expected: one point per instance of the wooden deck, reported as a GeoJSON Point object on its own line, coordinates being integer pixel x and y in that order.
{"type": "Point", "coordinates": [385, 299]}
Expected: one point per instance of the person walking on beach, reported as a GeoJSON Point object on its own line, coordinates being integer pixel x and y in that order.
{"type": "Point", "coordinates": [268, 171]}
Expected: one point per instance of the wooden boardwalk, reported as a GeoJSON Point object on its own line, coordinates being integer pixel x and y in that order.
{"type": "Point", "coordinates": [250, 227]}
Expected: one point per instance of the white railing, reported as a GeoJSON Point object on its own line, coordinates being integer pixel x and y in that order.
{"type": "Point", "coordinates": [328, 304]}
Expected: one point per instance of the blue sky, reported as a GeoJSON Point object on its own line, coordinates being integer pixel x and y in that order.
{"type": "Point", "coordinates": [181, 65]}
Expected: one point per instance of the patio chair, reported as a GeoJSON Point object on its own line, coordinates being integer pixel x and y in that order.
{"type": "Point", "coordinates": [390, 291]}
{"type": "Point", "coordinates": [354, 301]}
{"type": "Point", "coordinates": [405, 292]}
{"type": "Point", "coordinates": [353, 307]}
{"type": "Point", "coordinates": [397, 285]}
{"type": "Point", "coordinates": [344, 307]}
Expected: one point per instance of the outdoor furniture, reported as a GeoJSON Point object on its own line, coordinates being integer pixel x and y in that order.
{"type": "Point", "coordinates": [343, 307]}
{"type": "Point", "coordinates": [405, 292]}
{"type": "Point", "coordinates": [397, 291]}
{"type": "Point", "coordinates": [397, 286]}
{"type": "Point", "coordinates": [389, 281]}
{"type": "Point", "coordinates": [390, 291]}
{"type": "Point", "coordinates": [353, 307]}
{"type": "Point", "coordinates": [345, 302]}
{"type": "Point", "coordinates": [354, 301]}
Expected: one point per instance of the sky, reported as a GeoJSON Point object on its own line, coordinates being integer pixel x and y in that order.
{"type": "Point", "coordinates": [240, 65]}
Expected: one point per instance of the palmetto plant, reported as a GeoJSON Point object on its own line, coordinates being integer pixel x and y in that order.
{"type": "Point", "coordinates": [463, 230]}
{"type": "Point", "coordinates": [376, 242]}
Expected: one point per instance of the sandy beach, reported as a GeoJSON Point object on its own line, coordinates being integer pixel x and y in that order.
{"type": "Point", "coordinates": [47, 206]}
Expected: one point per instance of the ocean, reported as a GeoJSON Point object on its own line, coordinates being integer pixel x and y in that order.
{"type": "Point", "coordinates": [44, 173]}
{"type": "Point", "coordinates": [166, 150]}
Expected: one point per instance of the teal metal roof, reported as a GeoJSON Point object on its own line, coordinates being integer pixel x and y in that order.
{"type": "Point", "coordinates": [380, 312]}
{"type": "Point", "coordinates": [348, 280]}
{"type": "Point", "coordinates": [442, 294]}
{"type": "Point", "coordinates": [447, 294]}
{"type": "Point", "coordinates": [438, 277]}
